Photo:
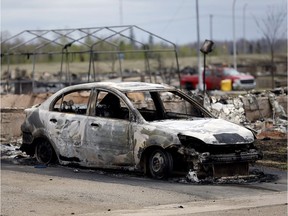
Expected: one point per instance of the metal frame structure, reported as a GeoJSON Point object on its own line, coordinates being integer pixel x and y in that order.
{"type": "Point", "coordinates": [64, 39]}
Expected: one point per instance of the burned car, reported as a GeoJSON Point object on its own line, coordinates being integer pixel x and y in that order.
{"type": "Point", "coordinates": [152, 128]}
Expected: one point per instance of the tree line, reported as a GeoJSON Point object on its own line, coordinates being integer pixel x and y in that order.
{"type": "Point", "coordinates": [128, 50]}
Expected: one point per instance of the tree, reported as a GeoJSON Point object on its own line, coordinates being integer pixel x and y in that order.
{"type": "Point", "coordinates": [273, 28]}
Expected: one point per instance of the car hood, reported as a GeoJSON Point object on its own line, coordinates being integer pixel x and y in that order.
{"type": "Point", "coordinates": [241, 76]}
{"type": "Point", "coordinates": [210, 131]}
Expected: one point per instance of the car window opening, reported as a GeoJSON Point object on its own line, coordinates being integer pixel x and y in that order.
{"type": "Point", "coordinates": [75, 102]}
{"type": "Point", "coordinates": [110, 106]}
{"type": "Point", "coordinates": [155, 106]}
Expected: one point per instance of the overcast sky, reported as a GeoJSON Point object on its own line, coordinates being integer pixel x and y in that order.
{"type": "Point", "coordinates": [175, 20]}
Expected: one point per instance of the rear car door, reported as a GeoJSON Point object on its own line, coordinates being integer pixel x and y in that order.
{"type": "Point", "coordinates": [66, 123]}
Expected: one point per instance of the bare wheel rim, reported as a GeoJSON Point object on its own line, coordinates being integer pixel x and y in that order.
{"type": "Point", "coordinates": [160, 164]}
{"type": "Point", "coordinates": [157, 162]}
{"type": "Point", "coordinates": [44, 152]}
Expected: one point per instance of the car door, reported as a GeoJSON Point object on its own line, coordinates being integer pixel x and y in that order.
{"type": "Point", "coordinates": [107, 132]}
{"type": "Point", "coordinates": [66, 123]}
{"type": "Point", "coordinates": [66, 132]}
{"type": "Point", "coordinates": [217, 79]}
{"type": "Point", "coordinates": [208, 79]}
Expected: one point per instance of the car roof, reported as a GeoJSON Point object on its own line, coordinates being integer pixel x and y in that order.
{"type": "Point", "coordinates": [122, 86]}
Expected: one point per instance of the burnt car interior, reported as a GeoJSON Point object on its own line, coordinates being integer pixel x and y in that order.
{"type": "Point", "coordinates": [109, 105]}
{"type": "Point", "coordinates": [153, 105]}
{"type": "Point", "coordinates": [157, 105]}
{"type": "Point", "coordinates": [73, 102]}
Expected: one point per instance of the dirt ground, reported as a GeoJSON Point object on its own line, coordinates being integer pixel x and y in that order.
{"type": "Point", "coordinates": [274, 153]}
{"type": "Point", "coordinates": [57, 190]}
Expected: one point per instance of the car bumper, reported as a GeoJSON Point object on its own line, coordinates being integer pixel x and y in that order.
{"type": "Point", "coordinates": [241, 86]}
{"type": "Point", "coordinates": [236, 164]}
{"type": "Point", "coordinates": [206, 158]}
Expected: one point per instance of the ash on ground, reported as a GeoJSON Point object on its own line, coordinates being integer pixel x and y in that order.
{"type": "Point", "coordinates": [256, 175]}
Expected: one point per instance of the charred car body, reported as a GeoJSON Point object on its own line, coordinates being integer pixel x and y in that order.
{"type": "Point", "coordinates": [152, 128]}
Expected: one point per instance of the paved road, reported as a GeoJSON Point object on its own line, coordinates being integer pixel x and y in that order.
{"type": "Point", "coordinates": [56, 190]}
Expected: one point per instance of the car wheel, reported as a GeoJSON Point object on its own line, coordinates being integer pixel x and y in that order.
{"type": "Point", "coordinates": [189, 86]}
{"type": "Point", "coordinates": [160, 164]}
{"type": "Point", "coordinates": [44, 152]}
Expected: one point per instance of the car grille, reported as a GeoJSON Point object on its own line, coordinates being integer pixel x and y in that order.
{"type": "Point", "coordinates": [248, 81]}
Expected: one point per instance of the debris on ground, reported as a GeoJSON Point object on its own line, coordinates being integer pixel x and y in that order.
{"type": "Point", "coordinates": [255, 175]}
{"type": "Point", "coordinates": [192, 176]}
{"type": "Point", "coordinates": [265, 112]}
{"type": "Point", "coordinates": [230, 109]}
{"type": "Point", "coordinates": [11, 151]}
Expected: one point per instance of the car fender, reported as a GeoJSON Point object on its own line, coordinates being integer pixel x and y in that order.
{"type": "Point", "coordinates": [43, 134]}
{"type": "Point", "coordinates": [148, 137]}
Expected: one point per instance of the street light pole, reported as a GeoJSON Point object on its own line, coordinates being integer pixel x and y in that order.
{"type": "Point", "coordinates": [205, 49]}
{"type": "Point", "coordinates": [211, 27]}
{"type": "Point", "coordinates": [200, 78]}
{"type": "Point", "coordinates": [234, 38]}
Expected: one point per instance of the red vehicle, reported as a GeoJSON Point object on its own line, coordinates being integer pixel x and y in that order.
{"type": "Point", "coordinates": [213, 78]}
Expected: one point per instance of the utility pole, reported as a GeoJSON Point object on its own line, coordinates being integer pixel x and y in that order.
{"type": "Point", "coordinates": [244, 28]}
{"type": "Point", "coordinates": [234, 37]}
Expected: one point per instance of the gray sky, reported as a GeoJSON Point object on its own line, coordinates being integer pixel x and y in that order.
{"type": "Point", "coordinates": [174, 20]}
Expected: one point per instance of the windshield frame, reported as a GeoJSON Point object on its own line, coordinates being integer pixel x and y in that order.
{"type": "Point", "coordinates": [230, 72]}
{"type": "Point", "coordinates": [196, 110]}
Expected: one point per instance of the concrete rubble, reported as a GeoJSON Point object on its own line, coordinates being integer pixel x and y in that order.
{"type": "Point", "coordinates": [265, 112]}
{"type": "Point", "coordinates": [230, 109]}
